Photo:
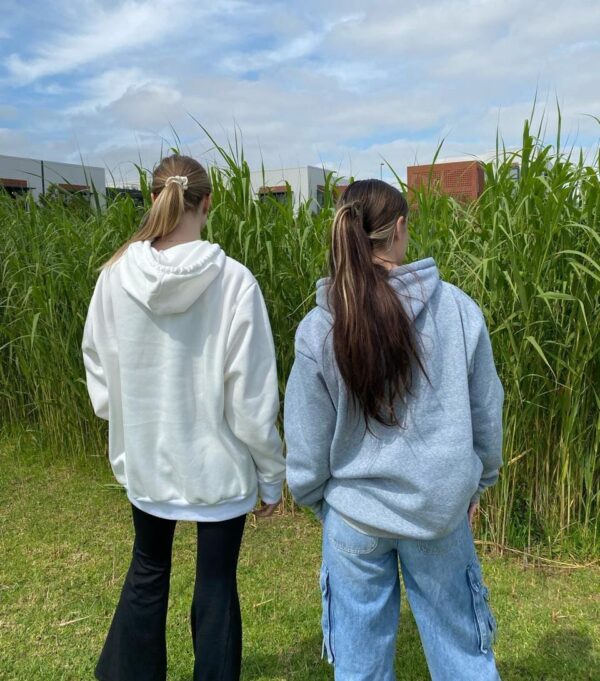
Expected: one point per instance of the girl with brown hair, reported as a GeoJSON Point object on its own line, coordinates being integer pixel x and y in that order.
{"type": "Point", "coordinates": [393, 423]}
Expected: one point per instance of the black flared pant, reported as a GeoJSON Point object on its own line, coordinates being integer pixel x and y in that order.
{"type": "Point", "coordinates": [135, 648]}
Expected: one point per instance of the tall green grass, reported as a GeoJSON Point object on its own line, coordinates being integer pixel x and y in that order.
{"type": "Point", "coordinates": [528, 251]}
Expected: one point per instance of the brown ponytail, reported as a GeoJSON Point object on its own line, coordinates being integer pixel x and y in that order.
{"type": "Point", "coordinates": [374, 340]}
{"type": "Point", "coordinates": [179, 183]}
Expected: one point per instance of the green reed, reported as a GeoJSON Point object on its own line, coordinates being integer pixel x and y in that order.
{"type": "Point", "coordinates": [528, 251]}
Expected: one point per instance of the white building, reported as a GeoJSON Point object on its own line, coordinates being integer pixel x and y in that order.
{"type": "Point", "coordinates": [22, 175]}
{"type": "Point", "coordinates": [306, 183]}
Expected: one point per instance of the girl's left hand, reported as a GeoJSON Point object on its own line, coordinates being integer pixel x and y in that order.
{"type": "Point", "coordinates": [266, 510]}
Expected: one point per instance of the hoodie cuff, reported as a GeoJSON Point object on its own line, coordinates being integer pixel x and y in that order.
{"type": "Point", "coordinates": [318, 509]}
{"type": "Point", "coordinates": [270, 492]}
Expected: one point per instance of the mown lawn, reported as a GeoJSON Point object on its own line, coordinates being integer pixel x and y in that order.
{"type": "Point", "coordinates": [65, 541]}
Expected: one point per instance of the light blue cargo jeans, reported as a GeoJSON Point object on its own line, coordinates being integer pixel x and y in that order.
{"type": "Point", "coordinates": [360, 586]}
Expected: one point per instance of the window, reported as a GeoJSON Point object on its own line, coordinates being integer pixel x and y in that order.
{"type": "Point", "coordinates": [320, 195]}
{"type": "Point", "coordinates": [338, 190]}
{"type": "Point", "coordinates": [135, 194]}
{"type": "Point", "coordinates": [81, 190]}
{"type": "Point", "coordinates": [75, 196]}
{"type": "Point", "coordinates": [14, 187]}
{"type": "Point", "coordinates": [279, 193]}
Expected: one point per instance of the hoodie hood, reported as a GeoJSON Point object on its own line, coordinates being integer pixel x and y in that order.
{"type": "Point", "coordinates": [170, 281]}
{"type": "Point", "coordinates": [414, 283]}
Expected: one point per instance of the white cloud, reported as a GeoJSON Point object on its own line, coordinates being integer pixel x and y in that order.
{"type": "Point", "coordinates": [290, 49]}
{"type": "Point", "coordinates": [105, 88]}
{"type": "Point", "coordinates": [100, 34]}
{"type": "Point", "coordinates": [345, 82]}
{"type": "Point", "coordinates": [149, 106]}
{"type": "Point", "coordinates": [296, 48]}
{"type": "Point", "coordinates": [95, 32]}
{"type": "Point", "coordinates": [17, 143]}
{"type": "Point", "coordinates": [353, 75]}
{"type": "Point", "coordinates": [52, 89]}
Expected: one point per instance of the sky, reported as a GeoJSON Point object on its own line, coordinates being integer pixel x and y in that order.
{"type": "Point", "coordinates": [341, 84]}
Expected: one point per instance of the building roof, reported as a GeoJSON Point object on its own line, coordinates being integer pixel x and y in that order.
{"type": "Point", "coordinates": [43, 160]}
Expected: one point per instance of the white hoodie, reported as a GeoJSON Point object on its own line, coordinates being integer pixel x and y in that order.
{"type": "Point", "coordinates": [179, 359]}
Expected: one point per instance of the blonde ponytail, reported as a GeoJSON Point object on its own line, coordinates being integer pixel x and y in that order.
{"type": "Point", "coordinates": [179, 183]}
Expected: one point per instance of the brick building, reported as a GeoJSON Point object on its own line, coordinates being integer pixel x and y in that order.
{"type": "Point", "coordinates": [463, 180]}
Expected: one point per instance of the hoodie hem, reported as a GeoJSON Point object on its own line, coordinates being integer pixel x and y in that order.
{"type": "Point", "coordinates": [182, 510]}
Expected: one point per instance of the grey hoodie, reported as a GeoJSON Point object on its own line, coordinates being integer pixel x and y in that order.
{"type": "Point", "coordinates": [413, 481]}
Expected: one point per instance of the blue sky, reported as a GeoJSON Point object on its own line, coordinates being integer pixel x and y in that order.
{"type": "Point", "coordinates": [343, 84]}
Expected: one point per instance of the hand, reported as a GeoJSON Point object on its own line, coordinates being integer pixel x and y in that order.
{"type": "Point", "coordinates": [266, 510]}
{"type": "Point", "coordinates": [471, 512]}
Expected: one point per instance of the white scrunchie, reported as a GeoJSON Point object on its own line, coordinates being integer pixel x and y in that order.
{"type": "Point", "coordinates": [181, 180]}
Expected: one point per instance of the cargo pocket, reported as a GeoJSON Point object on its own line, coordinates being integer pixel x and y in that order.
{"type": "Point", "coordinates": [485, 623]}
{"type": "Point", "coordinates": [327, 616]}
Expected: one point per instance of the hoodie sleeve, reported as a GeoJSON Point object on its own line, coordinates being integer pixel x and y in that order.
{"type": "Point", "coordinates": [309, 423]}
{"type": "Point", "coordinates": [95, 372]}
{"type": "Point", "coordinates": [486, 397]}
{"type": "Point", "coordinates": [252, 393]}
